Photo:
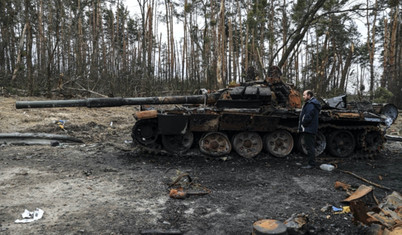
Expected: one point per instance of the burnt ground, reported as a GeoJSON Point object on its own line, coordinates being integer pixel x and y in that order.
{"type": "Point", "coordinates": [106, 186]}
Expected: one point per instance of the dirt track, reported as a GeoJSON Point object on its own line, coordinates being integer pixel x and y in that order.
{"type": "Point", "coordinates": [105, 186]}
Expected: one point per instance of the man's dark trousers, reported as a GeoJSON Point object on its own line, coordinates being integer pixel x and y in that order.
{"type": "Point", "coordinates": [309, 141]}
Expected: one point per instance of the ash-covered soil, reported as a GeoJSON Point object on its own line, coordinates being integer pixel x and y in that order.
{"type": "Point", "coordinates": [107, 186]}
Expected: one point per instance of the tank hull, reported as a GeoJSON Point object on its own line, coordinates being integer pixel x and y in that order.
{"type": "Point", "coordinates": [341, 132]}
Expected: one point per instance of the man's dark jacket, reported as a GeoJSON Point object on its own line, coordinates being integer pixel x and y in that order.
{"type": "Point", "coordinates": [308, 120]}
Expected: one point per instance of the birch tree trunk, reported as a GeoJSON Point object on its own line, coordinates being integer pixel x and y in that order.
{"type": "Point", "coordinates": [20, 47]}
{"type": "Point", "coordinates": [183, 65]}
{"type": "Point", "coordinates": [371, 46]}
{"type": "Point", "coordinates": [149, 40]}
{"type": "Point", "coordinates": [30, 77]}
{"type": "Point", "coordinates": [385, 62]}
{"type": "Point", "coordinates": [346, 67]}
{"type": "Point", "coordinates": [220, 48]}
{"type": "Point", "coordinates": [231, 52]}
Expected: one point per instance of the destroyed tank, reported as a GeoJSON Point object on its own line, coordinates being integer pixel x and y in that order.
{"type": "Point", "coordinates": [246, 118]}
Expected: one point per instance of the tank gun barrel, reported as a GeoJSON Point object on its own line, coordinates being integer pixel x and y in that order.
{"type": "Point", "coordinates": [113, 102]}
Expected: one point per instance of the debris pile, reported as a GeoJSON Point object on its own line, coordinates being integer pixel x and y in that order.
{"type": "Point", "coordinates": [380, 218]}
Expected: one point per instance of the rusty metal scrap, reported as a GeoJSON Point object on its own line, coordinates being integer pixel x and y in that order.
{"type": "Point", "coordinates": [269, 226]}
{"type": "Point", "coordinates": [349, 115]}
{"type": "Point", "coordinates": [359, 210]}
{"type": "Point", "coordinates": [177, 193]}
{"type": "Point", "coordinates": [362, 191]}
{"type": "Point", "coordinates": [343, 186]}
{"type": "Point", "coordinates": [180, 193]}
{"type": "Point", "coordinates": [146, 114]}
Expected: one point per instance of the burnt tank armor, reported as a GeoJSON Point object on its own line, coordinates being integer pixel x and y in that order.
{"type": "Point", "coordinates": [247, 117]}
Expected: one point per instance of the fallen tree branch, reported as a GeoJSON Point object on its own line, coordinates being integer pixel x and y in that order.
{"type": "Point", "coordinates": [366, 180]}
{"type": "Point", "coordinates": [393, 138]}
{"type": "Point", "coordinates": [83, 89]}
{"type": "Point", "coordinates": [20, 137]}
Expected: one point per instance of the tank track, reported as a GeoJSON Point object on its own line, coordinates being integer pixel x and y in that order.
{"type": "Point", "coordinates": [150, 149]}
{"type": "Point", "coordinates": [156, 149]}
{"type": "Point", "coordinates": [364, 151]}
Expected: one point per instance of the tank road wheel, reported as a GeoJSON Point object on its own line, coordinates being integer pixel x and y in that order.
{"type": "Point", "coordinates": [320, 144]}
{"type": "Point", "coordinates": [247, 144]}
{"type": "Point", "coordinates": [341, 143]}
{"type": "Point", "coordinates": [178, 144]}
{"type": "Point", "coordinates": [145, 132]}
{"type": "Point", "coordinates": [215, 144]}
{"type": "Point", "coordinates": [279, 143]}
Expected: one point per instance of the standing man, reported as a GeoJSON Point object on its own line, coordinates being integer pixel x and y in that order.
{"type": "Point", "coordinates": [308, 125]}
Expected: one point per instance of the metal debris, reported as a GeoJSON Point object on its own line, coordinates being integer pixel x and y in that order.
{"type": "Point", "coordinates": [296, 221]}
{"type": "Point", "coordinates": [269, 226]}
{"type": "Point", "coordinates": [388, 214]}
{"type": "Point", "coordinates": [343, 186]}
{"type": "Point", "coordinates": [178, 192]}
{"type": "Point", "coordinates": [362, 191]}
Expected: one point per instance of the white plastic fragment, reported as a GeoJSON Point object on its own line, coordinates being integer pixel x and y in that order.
{"type": "Point", "coordinates": [29, 216]}
{"type": "Point", "coordinates": [327, 167]}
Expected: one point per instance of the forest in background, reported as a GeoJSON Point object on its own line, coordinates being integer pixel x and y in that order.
{"type": "Point", "coordinates": [99, 48]}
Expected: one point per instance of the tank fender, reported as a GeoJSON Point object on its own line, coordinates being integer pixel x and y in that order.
{"type": "Point", "coordinates": [147, 114]}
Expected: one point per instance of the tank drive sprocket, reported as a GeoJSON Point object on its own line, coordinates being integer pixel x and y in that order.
{"type": "Point", "coordinates": [372, 140]}
{"type": "Point", "coordinates": [145, 136]}
{"type": "Point", "coordinates": [145, 131]}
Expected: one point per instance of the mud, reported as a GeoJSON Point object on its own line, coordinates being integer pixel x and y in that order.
{"type": "Point", "coordinates": [107, 186]}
